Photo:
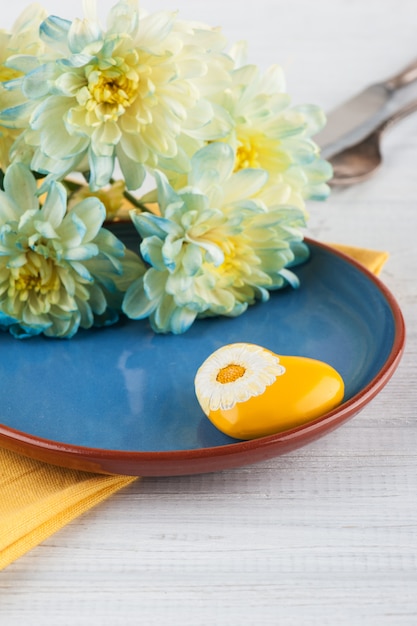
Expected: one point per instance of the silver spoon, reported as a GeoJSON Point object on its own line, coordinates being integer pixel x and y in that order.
{"type": "Point", "coordinates": [358, 162]}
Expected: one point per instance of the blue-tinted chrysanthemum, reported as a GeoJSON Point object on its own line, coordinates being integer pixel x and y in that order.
{"type": "Point", "coordinates": [215, 248]}
{"type": "Point", "coordinates": [271, 134]}
{"type": "Point", "coordinates": [23, 39]}
{"type": "Point", "coordinates": [59, 270]}
{"type": "Point", "coordinates": [129, 92]}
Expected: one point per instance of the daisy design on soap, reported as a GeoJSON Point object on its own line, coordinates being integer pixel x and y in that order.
{"type": "Point", "coordinates": [248, 391]}
{"type": "Point", "coordinates": [233, 374]}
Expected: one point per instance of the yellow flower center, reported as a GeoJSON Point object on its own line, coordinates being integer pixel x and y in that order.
{"type": "Point", "coordinates": [230, 373]}
{"type": "Point", "coordinates": [114, 88]}
{"type": "Point", "coordinates": [247, 155]}
{"type": "Point", "coordinates": [230, 261]}
{"type": "Point", "coordinates": [7, 73]}
{"type": "Point", "coordinates": [37, 276]}
{"type": "Point", "coordinates": [237, 260]}
{"type": "Point", "coordinates": [258, 150]}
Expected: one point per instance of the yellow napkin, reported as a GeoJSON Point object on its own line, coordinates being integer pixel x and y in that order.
{"type": "Point", "coordinates": [37, 499]}
{"type": "Point", "coordinates": [373, 260]}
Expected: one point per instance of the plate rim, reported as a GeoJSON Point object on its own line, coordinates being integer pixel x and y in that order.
{"type": "Point", "coordinates": [217, 458]}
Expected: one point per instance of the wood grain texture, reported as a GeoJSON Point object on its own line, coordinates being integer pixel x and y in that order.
{"type": "Point", "coordinates": [322, 536]}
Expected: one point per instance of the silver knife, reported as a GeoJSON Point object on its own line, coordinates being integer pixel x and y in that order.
{"type": "Point", "coordinates": [357, 116]}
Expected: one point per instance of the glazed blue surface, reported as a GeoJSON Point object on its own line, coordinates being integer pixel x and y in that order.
{"type": "Point", "coordinates": [125, 388]}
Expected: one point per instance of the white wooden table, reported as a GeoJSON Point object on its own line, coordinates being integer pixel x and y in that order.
{"type": "Point", "coordinates": [322, 536]}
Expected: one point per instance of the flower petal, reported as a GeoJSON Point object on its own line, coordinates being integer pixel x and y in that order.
{"type": "Point", "coordinates": [147, 225]}
{"type": "Point", "coordinates": [20, 184]}
{"type": "Point", "coordinates": [151, 249]}
{"type": "Point", "coordinates": [134, 173]}
{"type": "Point", "coordinates": [101, 169]}
{"type": "Point", "coordinates": [54, 31]}
{"type": "Point", "coordinates": [181, 319]}
{"type": "Point", "coordinates": [83, 33]}
{"type": "Point", "coordinates": [122, 19]}
{"type": "Point", "coordinates": [9, 211]}
{"type": "Point", "coordinates": [36, 83]}
{"type": "Point", "coordinates": [135, 303]}
{"type": "Point", "coordinates": [107, 133]}
{"type": "Point", "coordinates": [216, 156]}
{"type": "Point", "coordinates": [244, 184]}
{"type": "Point", "coordinates": [192, 259]}
{"type": "Point", "coordinates": [55, 205]}
{"type": "Point", "coordinates": [154, 28]}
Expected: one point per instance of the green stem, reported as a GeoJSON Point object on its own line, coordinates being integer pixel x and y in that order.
{"type": "Point", "coordinates": [71, 185]}
{"type": "Point", "coordinates": [136, 203]}
{"type": "Point", "coordinates": [86, 176]}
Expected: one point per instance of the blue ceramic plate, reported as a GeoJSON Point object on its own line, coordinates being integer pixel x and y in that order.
{"type": "Point", "coordinates": [121, 399]}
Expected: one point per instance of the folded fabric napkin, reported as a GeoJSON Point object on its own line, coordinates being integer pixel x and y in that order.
{"type": "Point", "coordinates": [373, 260]}
{"type": "Point", "coordinates": [37, 499]}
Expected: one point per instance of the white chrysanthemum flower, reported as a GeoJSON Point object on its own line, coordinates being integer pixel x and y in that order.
{"type": "Point", "coordinates": [59, 270]}
{"type": "Point", "coordinates": [216, 247]}
{"type": "Point", "coordinates": [270, 134]}
{"type": "Point", "coordinates": [130, 91]}
{"type": "Point", "coordinates": [23, 39]}
{"type": "Point", "coordinates": [233, 374]}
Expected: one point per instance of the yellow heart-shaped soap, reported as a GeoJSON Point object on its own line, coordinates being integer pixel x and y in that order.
{"type": "Point", "coordinates": [248, 391]}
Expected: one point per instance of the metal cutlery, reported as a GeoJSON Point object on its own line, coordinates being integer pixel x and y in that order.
{"type": "Point", "coordinates": [359, 115]}
{"type": "Point", "coordinates": [358, 162]}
